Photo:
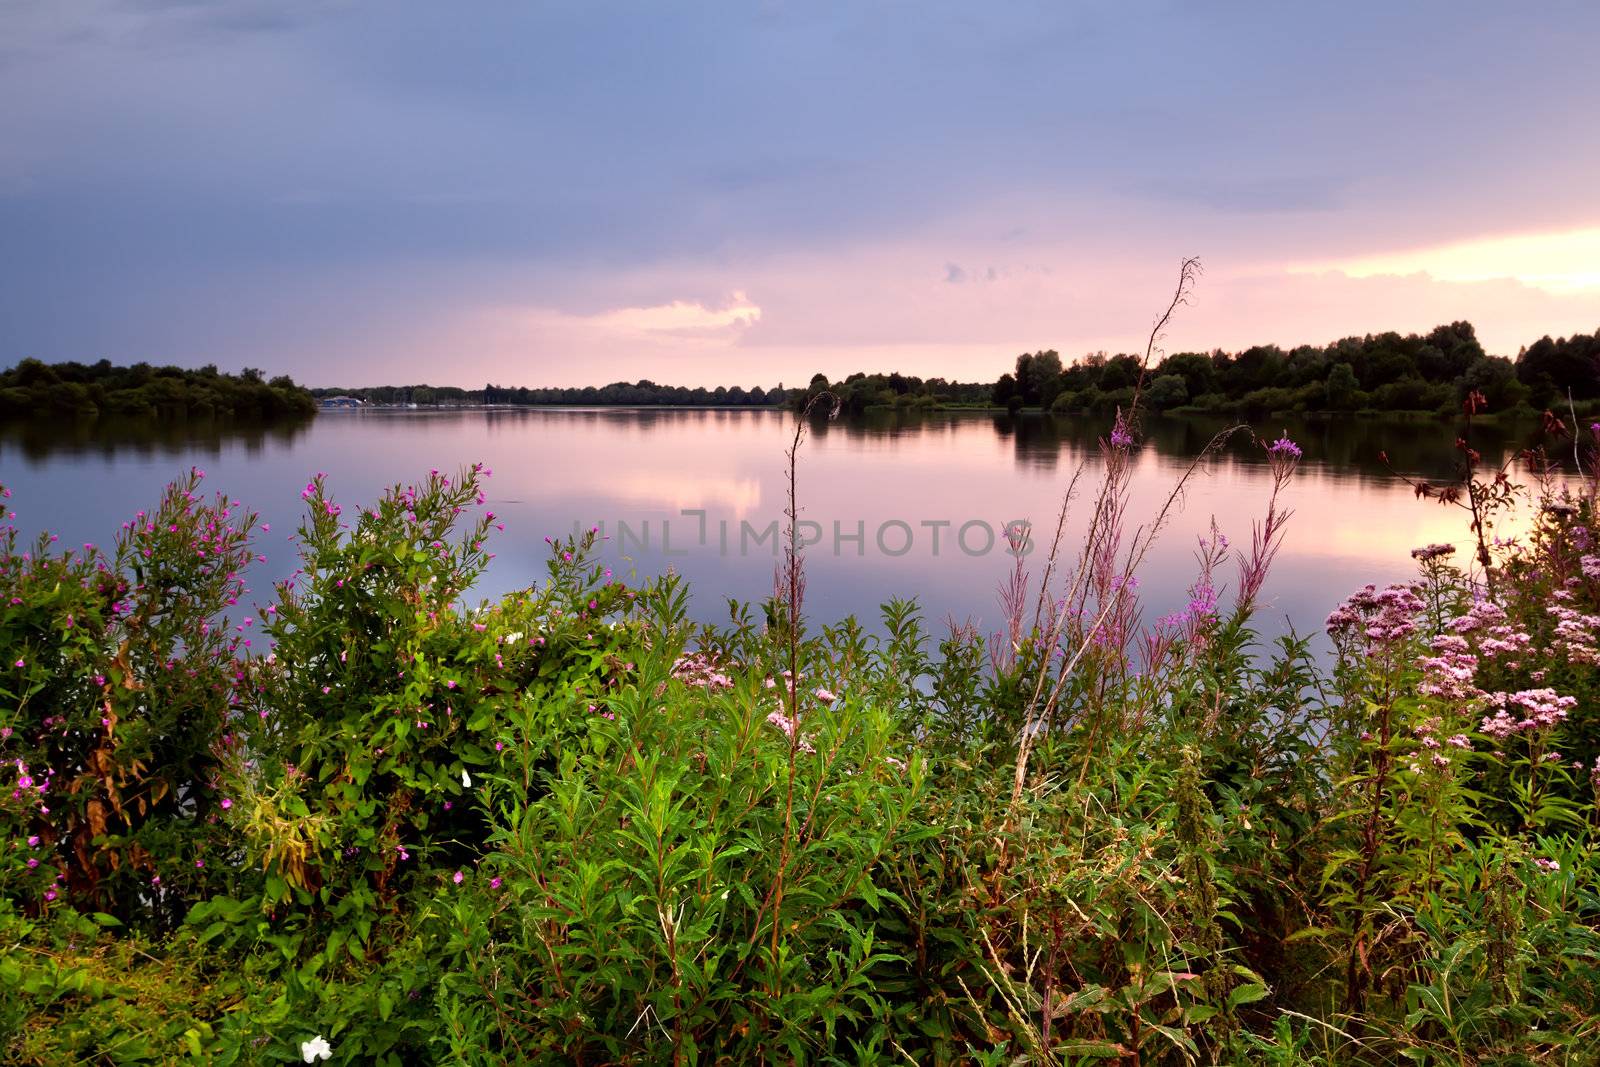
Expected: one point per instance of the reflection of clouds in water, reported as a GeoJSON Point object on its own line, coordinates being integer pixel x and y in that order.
{"type": "Point", "coordinates": [1354, 521]}
{"type": "Point", "coordinates": [725, 496]}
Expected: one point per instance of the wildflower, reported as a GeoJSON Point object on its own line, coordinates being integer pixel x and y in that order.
{"type": "Point", "coordinates": [458, 878]}
{"type": "Point", "coordinates": [1285, 448]}
{"type": "Point", "coordinates": [33, 841]}
{"type": "Point", "coordinates": [1547, 865]}
{"type": "Point", "coordinates": [1428, 553]}
{"type": "Point", "coordinates": [466, 779]}
{"type": "Point", "coordinates": [316, 1049]}
{"type": "Point", "coordinates": [825, 695]}
{"type": "Point", "coordinates": [226, 803]}
{"type": "Point", "coordinates": [494, 883]}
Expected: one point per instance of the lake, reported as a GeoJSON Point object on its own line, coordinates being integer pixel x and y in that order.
{"type": "Point", "coordinates": [905, 504]}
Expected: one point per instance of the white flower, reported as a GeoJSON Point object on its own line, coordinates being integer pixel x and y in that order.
{"type": "Point", "coordinates": [316, 1049]}
{"type": "Point", "coordinates": [512, 639]}
{"type": "Point", "coordinates": [466, 779]}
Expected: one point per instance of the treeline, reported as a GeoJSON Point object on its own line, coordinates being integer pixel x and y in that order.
{"type": "Point", "coordinates": [861, 391]}
{"type": "Point", "coordinates": [643, 393]}
{"type": "Point", "coordinates": [91, 390]}
{"type": "Point", "coordinates": [1381, 372]}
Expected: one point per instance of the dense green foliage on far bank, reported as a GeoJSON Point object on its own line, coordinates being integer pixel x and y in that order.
{"type": "Point", "coordinates": [1384, 372]}
{"type": "Point", "coordinates": [91, 390]}
{"type": "Point", "coordinates": [1379, 372]}
{"type": "Point", "coordinates": [371, 822]}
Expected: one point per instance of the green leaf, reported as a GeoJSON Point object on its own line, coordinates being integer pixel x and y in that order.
{"type": "Point", "coordinates": [1248, 993]}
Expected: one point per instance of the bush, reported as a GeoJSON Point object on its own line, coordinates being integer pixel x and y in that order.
{"type": "Point", "coordinates": [119, 680]}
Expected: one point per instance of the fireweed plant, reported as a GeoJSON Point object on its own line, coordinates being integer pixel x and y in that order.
{"type": "Point", "coordinates": [374, 821]}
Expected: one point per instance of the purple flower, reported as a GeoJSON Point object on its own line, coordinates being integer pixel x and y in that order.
{"type": "Point", "coordinates": [1284, 447]}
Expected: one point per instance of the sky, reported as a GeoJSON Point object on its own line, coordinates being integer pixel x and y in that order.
{"type": "Point", "coordinates": [745, 193]}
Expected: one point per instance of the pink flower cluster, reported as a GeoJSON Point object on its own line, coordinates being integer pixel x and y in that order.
{"type": "Point", "coordinates": [1525, 711]}
{"type": "Point", "coordinates": [1450, 674]}
{"type": "Point", "coordinates": [790, 727]}
{"type": "Point", "coordinates": [1577, 634]}
{"type": "Point", "coordinates": [1382, 616]}
{"type": "Point", "coordinates": [698, 668]}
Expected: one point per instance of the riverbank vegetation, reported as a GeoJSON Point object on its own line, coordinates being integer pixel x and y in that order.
{"type": "Point", "coordinates": [89, 391]}
{"type": "Point", "coordinates": [371, 821]}
{"type": "Point", "coordinates": [1416, 373]}
{"type": "Point", "coordinates": [1384, 372]}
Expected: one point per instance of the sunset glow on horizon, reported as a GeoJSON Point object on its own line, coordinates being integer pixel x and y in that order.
{"type": "Point", "coordinates": [1557, 262]}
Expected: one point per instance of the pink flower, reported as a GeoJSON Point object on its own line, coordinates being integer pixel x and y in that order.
{"type": "Point", "coordinates": [458, 878]}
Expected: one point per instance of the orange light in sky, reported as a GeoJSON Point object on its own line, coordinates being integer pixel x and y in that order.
{"type": "Point", "coordinates": [1557, 262]}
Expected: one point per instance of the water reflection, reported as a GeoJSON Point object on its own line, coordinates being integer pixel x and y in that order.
{"type": "Point", "coordinates": [39, 440]}
{"type": "Point", "coordinates": [1420, 447]}
{"type": "Point", "coordinates": [889, 492]}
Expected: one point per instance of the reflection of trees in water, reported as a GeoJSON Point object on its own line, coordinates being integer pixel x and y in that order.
{"type": "Point", "coordinates": [40, 439]}
{"type": "Point", "coordinates": [633, 419]}
{"type": "Point", "coordinates": [1423, 447]}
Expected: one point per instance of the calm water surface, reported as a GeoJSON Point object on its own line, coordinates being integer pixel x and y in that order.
{"type": "Point", "coordinates": [905, 505]}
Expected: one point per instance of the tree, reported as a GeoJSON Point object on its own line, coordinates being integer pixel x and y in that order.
{"type": "Point", "coordinates": [1198, 372]}
{"type": "Point", "coordinates": [1039, 377]}
{"type": "Point", "coordinates": [1167, 391]}
{"type": "Point", "coordinates": [1005, 390]}
{"type": "Point", "coordinates": [1341, 388]}
{"type": "Point", "coordinates": [1550, 368]}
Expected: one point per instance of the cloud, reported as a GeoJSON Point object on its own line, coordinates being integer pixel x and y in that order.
{"type": "Point", "coordinates": [682, 318]}
{"type": "Point", "coordinates": [1559, 262]}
